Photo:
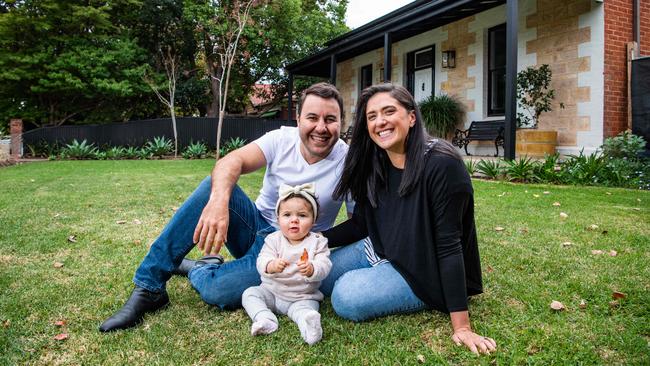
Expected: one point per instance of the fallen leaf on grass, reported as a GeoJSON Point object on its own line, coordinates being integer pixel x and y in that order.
{"type": "Point", "coordinates": [56, 215]}
{"type": "Point", "coordinates": [583, 304]}
{"type": "Point", "coordinates": [6, 323]}
{"type": "Point", "coordinates": [137, 222]}
{"type": "Point", "coordinates": [608, 193]}
{"type": "Point", "coordinates": [501, 195]}
{"type": "Point", "coordinates": [557, 306]}
{"type": "Point", "coordinates": [72, 238]}
{"type": "Point", "coordinates": [566, 244]}
{"type": "Point", "coordinates": [563, 215]}
{"type": "Point", "coordinates": [536, 195]}
{"type": "Point", "coordinates": [597, 252]}
{"type": "Point", "coordinates": [61, 336]}
{"type": "Point", "coordinates": [636, 209]}
{"type": "Point", "coordinates": [557, 204]}
{"type": "Point", "coordinates": [499, 228]}
{"type": "Point", "coordinates": [58, 264]}
{"type": "Point", "coordinates": [617, 295]}
{"type": "Point", "coordinates": [137, 241]}
{"type": "Point", "coordinates": [523, 230]}
{"type": "Point", "coordinates": [420, 358]}
{"type": "Point", "coordinates": [490, 269]}
{"type": "Point", "coordinates": [638, 200]}
{"type": "Point", "coordinates": [546, 192]}
{"type": "Point", "coordinates": [32, 180]}
{"type": "Point", "coordinates": [592, 227]}
{"type": "Point", "coordinates": [613, 253]}
{"type": "Point", "coordinates": [613, 304]}
{"type": "Point", "coordinates": [59, 323]}
{"type": "Point", "coordinates": [120, 222]}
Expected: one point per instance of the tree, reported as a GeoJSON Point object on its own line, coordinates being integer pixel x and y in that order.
{"type": "Point", "coordinates": [63, 60]}
{"type": "Point", "coordinates": [170, 61]}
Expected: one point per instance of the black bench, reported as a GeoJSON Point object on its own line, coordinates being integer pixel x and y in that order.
{"type": "Point", "coordinates": [481, 131]}
{"type": "Point", "coordinates": [347, 135]}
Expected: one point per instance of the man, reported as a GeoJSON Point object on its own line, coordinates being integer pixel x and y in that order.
{"type": "Point", "coordinates": [219, 212]}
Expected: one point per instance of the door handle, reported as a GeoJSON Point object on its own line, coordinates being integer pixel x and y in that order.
{"type": "Point", "coordinates": [422, 86]}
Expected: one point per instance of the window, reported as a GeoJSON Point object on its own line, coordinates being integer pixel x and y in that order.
{"type": "Point", "coordinates": [366, 77]}
{"type": "Point", "coordinates": [496, 70]}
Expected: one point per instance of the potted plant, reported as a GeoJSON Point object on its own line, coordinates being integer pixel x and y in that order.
{"type": "Point", "coordinates": [441, 114]}
{"type": "Point", "coordinates": [535, 96]}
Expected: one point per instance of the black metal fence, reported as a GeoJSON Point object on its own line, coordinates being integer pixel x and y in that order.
{"type": "Point", "coordinates": [137, 133]}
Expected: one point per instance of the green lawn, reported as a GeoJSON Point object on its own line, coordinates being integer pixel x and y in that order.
{"type": "Point", "coordinates": [525, 267]}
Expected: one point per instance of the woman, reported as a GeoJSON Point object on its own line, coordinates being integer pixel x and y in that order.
{"type": "Point", "coordinates": [415, 204]}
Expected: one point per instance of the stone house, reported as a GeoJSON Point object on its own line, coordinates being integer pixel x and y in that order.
{"type": "Point", "coordinates": [585, 42]}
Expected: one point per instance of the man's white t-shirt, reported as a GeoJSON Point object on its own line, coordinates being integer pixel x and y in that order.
{"type": "Point", "coordinates": [285, 164]}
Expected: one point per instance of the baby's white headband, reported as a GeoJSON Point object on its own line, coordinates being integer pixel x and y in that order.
{"type": "Point", "coordinates": [307, 190]}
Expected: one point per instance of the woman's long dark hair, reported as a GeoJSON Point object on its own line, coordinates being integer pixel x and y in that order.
{"type": "Point", "coordinates": [366, 164]}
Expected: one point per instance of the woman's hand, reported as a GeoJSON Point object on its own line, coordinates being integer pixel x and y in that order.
{"type": "Point", "coordinates": [476, 343]}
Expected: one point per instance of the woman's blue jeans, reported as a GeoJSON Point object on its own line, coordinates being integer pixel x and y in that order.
{"type": "Point", "coordinates": [361, 292]}
{"type": "Point", "coordinates": [220, 285]}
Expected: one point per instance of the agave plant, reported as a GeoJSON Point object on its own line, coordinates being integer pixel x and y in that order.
{"type": "Point", "coordinates": [490, 168]}
{"type": "Point", "coordinates": [195, 150]}
{"type": "Point", "coordinates": [521, 170]}
{"type": "Point", "coordinates": [131, 152]}
{"type": "Point", "coordinates": [160, 146]}
{"type": "Point", "coordinates": [115, 153]}
{"type": "Point", "coordinates": [470, 165]}
{"type": "Point", "coordinates": [79, 150]}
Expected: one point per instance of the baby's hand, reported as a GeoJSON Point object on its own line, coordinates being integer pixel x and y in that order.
{"type": "Point", "coordinates": [306, 268]}
{"type": "Point", "coordinates": [276, 266]}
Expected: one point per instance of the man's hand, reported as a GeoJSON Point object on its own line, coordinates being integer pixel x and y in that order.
{"type": "Point", "coordinates": [276, 266]}
{"type": "Point", "coordinates": [473, 341]}
{"type": "Point", "coordinates": [212, 229]}
{"type": "Point", "coordinates": [306, 268]}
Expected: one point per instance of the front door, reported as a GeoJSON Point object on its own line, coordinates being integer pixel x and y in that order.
{"type": "Point", "coordinates": [422, 84]}
{"type": "Point", "coordinates": [420, 73]}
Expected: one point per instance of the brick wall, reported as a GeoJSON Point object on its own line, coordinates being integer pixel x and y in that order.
{"type": "Point", "coordinates": [644, 6]}
{"type": "Point", "coordinates": [618, 32]}
{"type": "Point", "coordinates": [558, 37]}
{"type": "Point", "coordinates": [458, 80]}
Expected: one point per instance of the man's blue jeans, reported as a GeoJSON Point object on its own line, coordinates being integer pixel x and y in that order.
{"type": "Point", "coordinates": [220, 285]}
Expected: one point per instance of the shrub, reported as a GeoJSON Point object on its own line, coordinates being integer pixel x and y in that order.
{"type": "Point", "coordinates": [625, 145]}
{"type": "Point", "coordinates": [490, 168]}
{"type": "Point", "coordinates": [115, 153]}
{"type": "Point", "coordinates": [534, 94]}
{"type": "Point", "coordinates": [79, 151]}
{"type": "Point", "coordinates": [43, 149]}
{"type": "Point", "coordinates": [160, 146]}
{"type": "Point", "coordinates": [233, 143]}
{"type": "Point", "coordinates": [195, 150]}
{"type": "Point", "coordinates": [131, 152]}
{"type": "Point", "coordinates": [470, 165]}
{"type": "Point", "coordinates": [441, 114]}
{"type": "Point", "coordinates": [522, 170]}
{"type": "Point", "coordinates": [548, 170]}
{"type": "Point", "coordinates": [584, 169]}
{"type": "Point", "coordinates": [143, 153]}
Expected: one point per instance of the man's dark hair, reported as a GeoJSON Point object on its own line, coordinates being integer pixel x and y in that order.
{"type": "Point", "coordinates": [325, 91]}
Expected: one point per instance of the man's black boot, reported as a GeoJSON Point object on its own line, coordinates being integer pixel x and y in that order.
{"type": "Point", "coordinates": [187, 264]}
{"type": "Point", "coordinates": [131, 314]}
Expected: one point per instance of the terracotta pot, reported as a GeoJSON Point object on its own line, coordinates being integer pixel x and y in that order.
{"type": "Point", "coordinates": [536, 143]}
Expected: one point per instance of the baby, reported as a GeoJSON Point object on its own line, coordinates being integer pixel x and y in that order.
{"type": "Point", "coordinates": [292, 263]}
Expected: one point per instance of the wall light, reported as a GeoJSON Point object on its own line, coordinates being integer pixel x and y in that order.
{"type": "Point", "coordinates": [448, 59]}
